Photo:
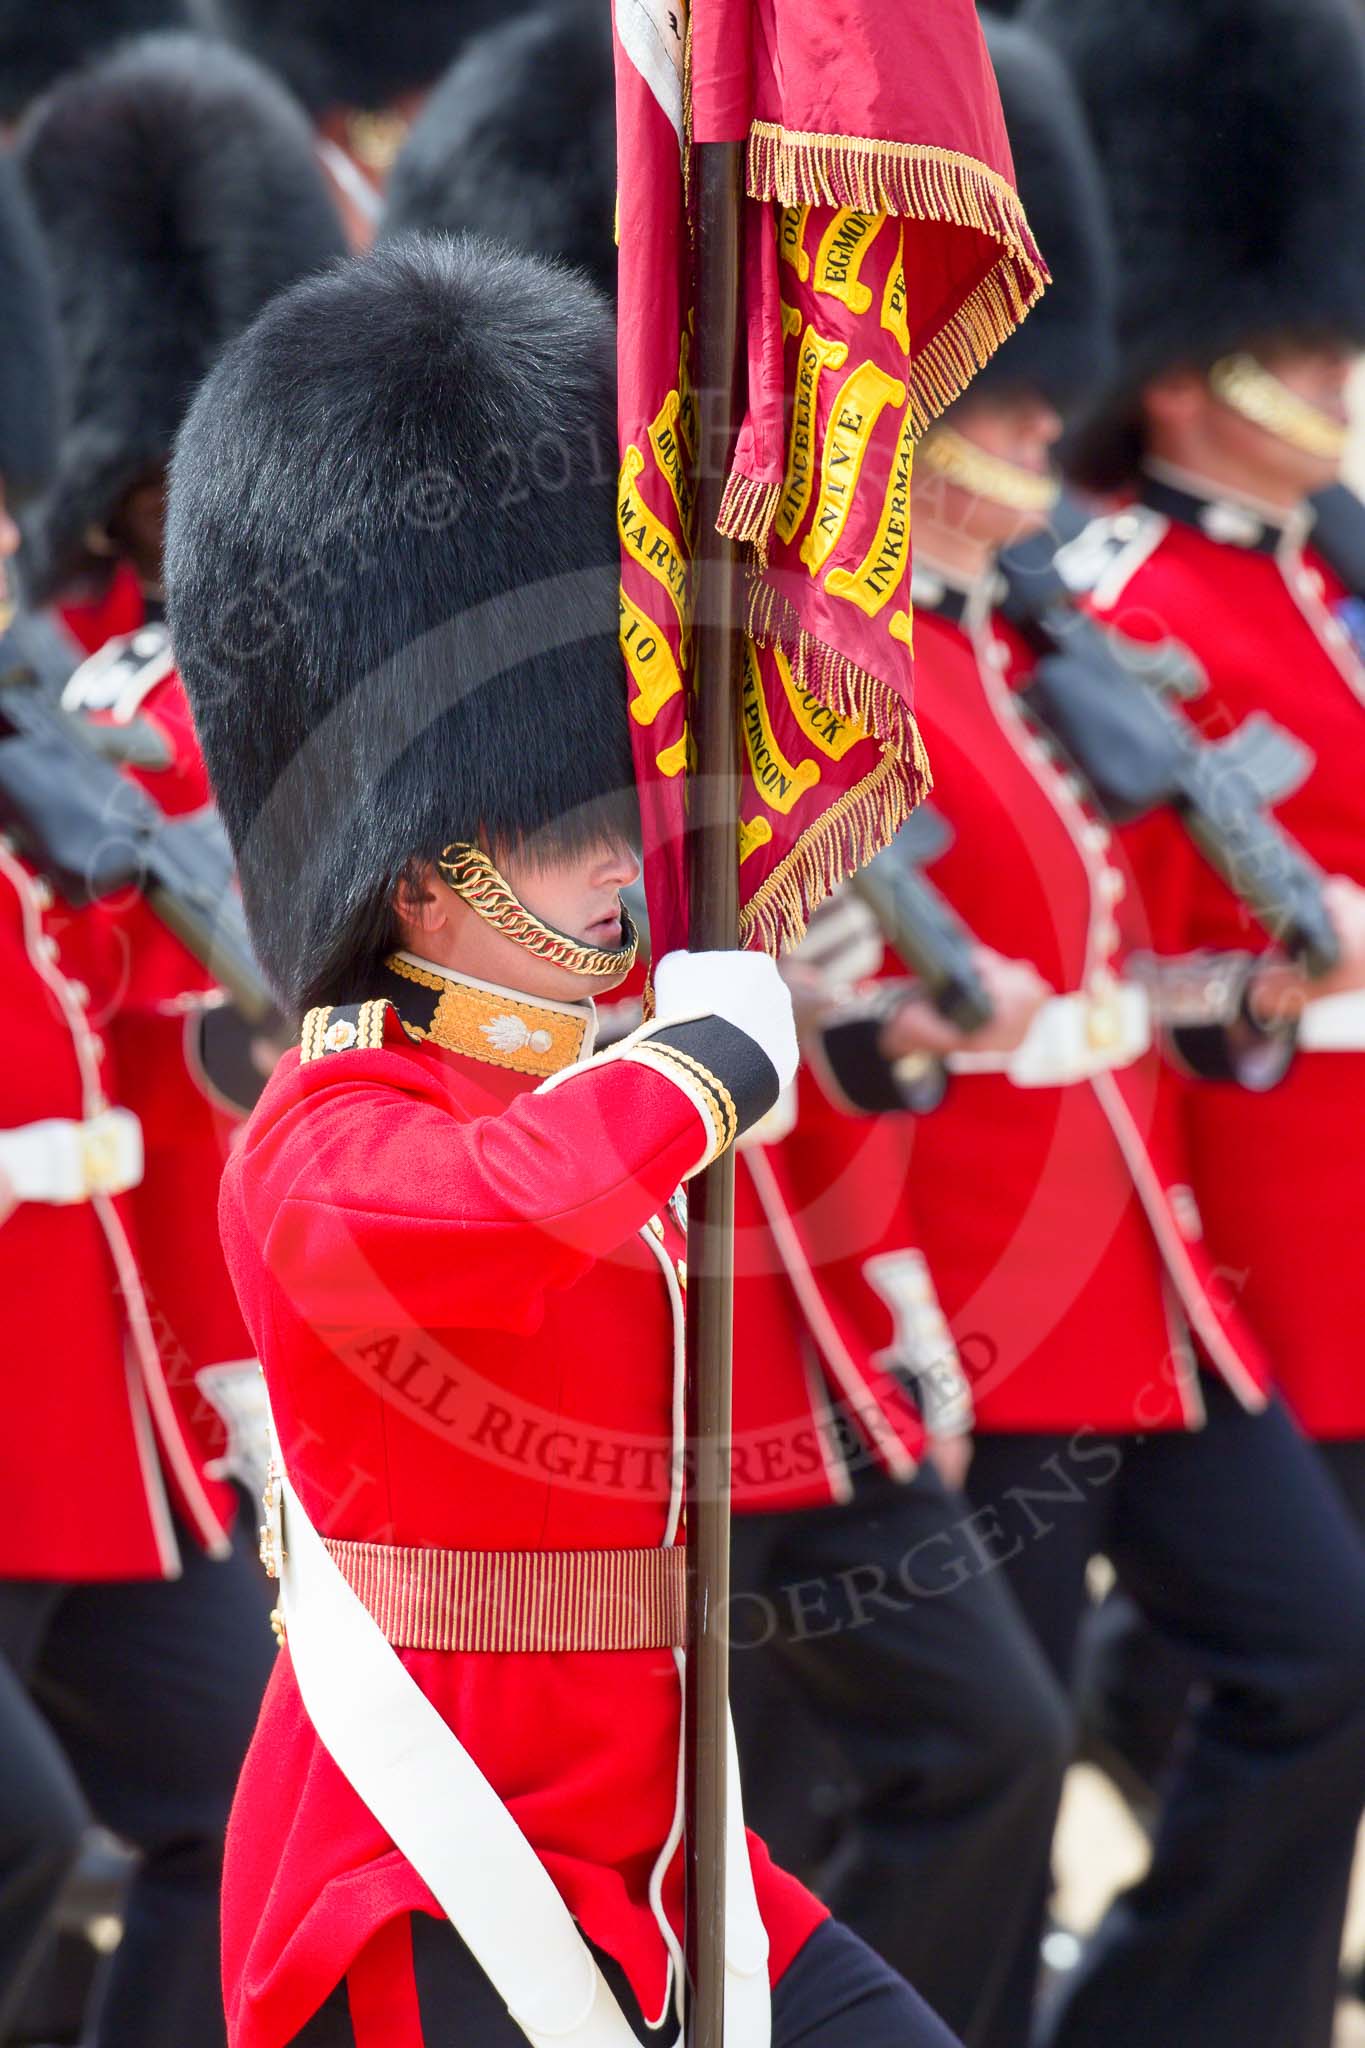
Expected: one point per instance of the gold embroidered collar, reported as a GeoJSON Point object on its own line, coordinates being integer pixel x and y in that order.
{"type": "Point", "coordinates": [527, 1034]}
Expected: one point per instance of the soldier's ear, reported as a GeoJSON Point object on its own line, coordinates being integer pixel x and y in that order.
{"type": "Point", "coordinates": [418, 899]}
{"type": "Point", "coordinates": [1177, 397]}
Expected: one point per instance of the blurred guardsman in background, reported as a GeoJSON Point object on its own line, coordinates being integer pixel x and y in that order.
{"type": "Point", "coordinates": [132, 1652]}
{"type": "Point", "coordinates": [1121, 1402]}
{"type": "Point", "coordinates": [177, 190]}
{"type": "Point", "coordinates": [1228, 411]}
{"type": "Point", "coordinates": [39, 43]}
{"type": "Point", "coordinates": [1241, 316]}
{"type": "Point", "coordinates": [451, 1222]}
{"type": "Point", "coordinates": [362, 69]}
{"type": "Point", "coordinates": [518, 141]}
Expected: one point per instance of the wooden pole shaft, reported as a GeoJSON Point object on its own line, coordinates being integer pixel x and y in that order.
{"type": "Point", "coordinates": [713, 875]}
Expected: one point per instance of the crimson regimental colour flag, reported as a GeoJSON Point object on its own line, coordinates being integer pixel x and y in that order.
{"type": "Point", "coordinates": [886, 255]}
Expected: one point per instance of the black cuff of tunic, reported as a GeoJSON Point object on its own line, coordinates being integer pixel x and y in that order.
{"type": "Point", "coordinates": [864, 1082]}
{"type": "Point", "coordinates": [720, 1064]}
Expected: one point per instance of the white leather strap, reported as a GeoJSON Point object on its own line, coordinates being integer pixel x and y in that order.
{"type": "Point", "coordinates": [431, 1798]}
{"type": "Point", "coordinates": [1072, 1038]}
{"type": "Point", "coordinates": [61, 1160]}
{"type": "Point", "coordinates": [1334, 1023]}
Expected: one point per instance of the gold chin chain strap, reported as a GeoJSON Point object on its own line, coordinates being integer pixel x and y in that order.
{"type": "Point", "coordinates": [959, 461]}
{"type": "Point", "coordinates": [1251, 390]}
{"type": "Point", "coordinates": [474, 878]}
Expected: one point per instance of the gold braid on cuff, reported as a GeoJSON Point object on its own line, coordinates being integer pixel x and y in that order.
{"type": "Point", "coordinates": [475, 879]}
{"type": "Point", "coordinates": [959, 461]}
{"type": "Point", "coordinates": [1252, 391]}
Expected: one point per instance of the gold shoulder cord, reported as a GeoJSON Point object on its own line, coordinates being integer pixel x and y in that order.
{"type": "Point", "coordinates": [475, 879]}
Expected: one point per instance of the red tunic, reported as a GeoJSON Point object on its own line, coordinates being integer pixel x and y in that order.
{"type": "Point", "coordinates": [1057, 1221]}
{"type": "Point", "coordinates": [820, 1238]}
{"type": "Point", "coordinates": [1279, 1175]}
{"type": "Point", "coordinates": [152, 1020]}
{"type": "Point", "coordinates": [95, 1443]}
{"type": "Point", "coordinates": [467, 1343]}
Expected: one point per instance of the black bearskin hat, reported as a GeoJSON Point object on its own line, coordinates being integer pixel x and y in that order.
{"type": "Point", "coordinates": [1232, 138]}
{"type": "Point", "coordinates": [40, 39]}
{"type": "Point", "coordinates": [177, 189]}
{"type": "Point", "coordinates": [352, 53]}
{"type": "Point", "coordinates": [28, 359]}
{"type": "Point", "coordinates": [392, 579]}
{"type": "Point", "coordinates": [518, 142]}
{"type": "Point", "coordinates": [1066, 347]}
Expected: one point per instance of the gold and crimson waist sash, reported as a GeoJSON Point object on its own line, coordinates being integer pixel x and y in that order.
{"type": "Point", "coordinates": [519, 1600]}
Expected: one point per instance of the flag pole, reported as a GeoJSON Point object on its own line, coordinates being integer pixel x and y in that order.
{"type": "Point", "coordinates": [713, 879]}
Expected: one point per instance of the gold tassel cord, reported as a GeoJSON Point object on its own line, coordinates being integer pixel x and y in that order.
{"type": "Point", "coordinates": [475, 878]}
{"type": "Point", "coordinates": [959, 461]}
{"type": "Point", "coordinates": [1256, 394]}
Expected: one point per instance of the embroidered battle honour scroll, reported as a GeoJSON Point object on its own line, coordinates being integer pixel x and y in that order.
{"type": "Point", "coordinates": [886, 256]}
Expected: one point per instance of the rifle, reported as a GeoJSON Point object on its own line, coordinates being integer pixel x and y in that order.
{"type": "Point", "coordinates": [919, 924]}
{"type": "Point", "coordinates": [95, 833]}
{"type": "Point", "coordinates": [1109, 703]}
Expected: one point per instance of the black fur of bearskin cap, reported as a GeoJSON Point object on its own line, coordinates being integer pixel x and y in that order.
{"type": "Point", "coordinates": [518, 142]}
{"type": "Point", "coordinates": [28, 360]}
{"type": "Point", "coordinates": [1066, 347]}
{"type": "Point", "coordinates": [42, 39]}
{"type": "Point", "coordinates": [1231, 134]}
{"type": "Point", "coordinates": [392, 580]}
{"type": "Point", "coordinates": [352, 53]}
{"type": "Point", "coordinates": [177, 189]}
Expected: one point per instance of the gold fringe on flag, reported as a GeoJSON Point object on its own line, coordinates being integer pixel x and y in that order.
{"type": "Point", "coordinates": [915, 181]}
{"type": "Point", "coordinates": [747, 508]}
{"type": "Point", "coordinates": [849, 690]}
{"type": "Point", "coordinates": [843, 839]}
{"type": "Point", "coordinates": [865, 818]}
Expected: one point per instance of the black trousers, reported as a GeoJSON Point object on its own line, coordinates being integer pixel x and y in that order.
{"type": "Point", "coordinates": [869, 1636]}
{"type": "Point", "coordinates": [1133, 1687]}
{"type": "Point", "coordinates": [1241, 1556]}
{"type": "Point", "coordinates": [836, 1994]}
{"type": "Point", "coordinates": [132, 1702]}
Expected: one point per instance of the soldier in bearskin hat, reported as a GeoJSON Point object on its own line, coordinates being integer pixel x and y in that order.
{"type": "Point", "coordinates": [29, 411]}
{"type": "Point", "coordinates": [1235, 141]}
{"type": "Point", "coordinates": [176, 190]}
{"type": "Point", "coordinates": [451, 1222]}
{"type": "Point", "coordinates": [39, 44]}
{"type": "Point", "coordinates": [518, 142]}
{"type": "Point", "coordinates": [941, 1717]}
{"type": "Point", "coordinates": [1242, 309]}
{"type": "Point", "coordinates": [1111, 1374]}
{"type": "Point", "coordinates": [131, 1657]}
{"type": "Point", "coordinates": [362, 68]}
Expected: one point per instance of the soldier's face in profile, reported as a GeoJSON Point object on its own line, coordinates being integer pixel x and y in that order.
{"type": "Point", "coordinates": [1189, 425]}
{"type": "Point", "coordinates": [576, 894]}
{"type": "Point", "coordinates": [1020, 428]}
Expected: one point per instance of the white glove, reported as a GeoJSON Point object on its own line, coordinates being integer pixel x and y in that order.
{"type": "Point", "coordinates": [743, 988]}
